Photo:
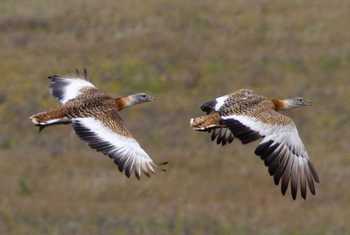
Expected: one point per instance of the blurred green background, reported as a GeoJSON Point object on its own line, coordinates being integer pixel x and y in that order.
{"type": "Point", "coordinates": [184, 53]}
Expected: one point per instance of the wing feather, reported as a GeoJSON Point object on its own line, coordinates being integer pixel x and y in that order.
{"type": "Point", "coordinates": [286, 175]}
{"type": "Point", "coordinates": [281, 149]}
{"type": "Point", "coordinates": [241, 131]}
{"type": "Point", "coordinates": [281, 168]}
{"type": "Point", "coordinates": [274, 160]}
{"type": "Point", "coordinates": [302, 181]}
{"type": "Point", "coordinates": [66, 88]}
{"type": "Point", "coordinates": [294, 178]}
{"type": "Point", "coordinates": [107, 134]}
{"type": "Point", "coordinates": [222, 135]}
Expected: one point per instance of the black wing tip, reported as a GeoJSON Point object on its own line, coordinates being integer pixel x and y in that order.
{"type": "Point", "coordinates": [208, 107]}
{"type": "Point", "coordinates": [294, 191]}
{"type": "Point", "coordinates": [294, 196]}
{"type": "Point", "coordinates": [80, 73]}
{"type": "Point", "coordinates": [262, 148]}
{"type": "Point", "coordinates": [246, 139]}
{"type": "Point", "coordinates": [304, 185]}
{"type": "Point", "coordinates": [127, 171]}
{"type": "Point", "coordinates": [53, 77]}
{"type": "Point", "coordinates": [120, 168]}
{"type": "Point", "coordinates": [162, 164]}
{"type": "Point", "coordinates": [83, 74]}
{"type": "Point", "coordinates": [313, 172]}
{"type": "Point", "coordinates": [284, 189]}
{"type": "Point", "coordinates": [283, 172]}
{"type": "Point", "coordinates": [137, 175]}
{"type": "Point", "coordinates": [303, 195]}
{"type": "Point", "coordinates": [222, 136]}
{"type": "Point", "coordinates": [119, 163]}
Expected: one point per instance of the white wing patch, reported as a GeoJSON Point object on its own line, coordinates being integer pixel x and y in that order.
{"type": "Point", "coordinates": [67, 88]}
{"type": "Point", "coordinates": [287, 134]}
{"type": "Point", "coordinates": [254, 124]}
{"type": "Point", "coordinates": [220, 102]}
{"type": "Point", "coordinates": [125, 151]}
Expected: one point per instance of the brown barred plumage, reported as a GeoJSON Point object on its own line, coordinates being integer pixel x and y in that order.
{"type": "Point", "coordinates": [249, 117]}
{"type": "Point", "coordinates": [95, 119]}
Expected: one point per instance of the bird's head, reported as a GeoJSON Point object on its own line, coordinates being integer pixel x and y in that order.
{"type": "Point", "coordinates": [140, 98]}
{"type": "Point", "coordinates": [297, 102]}
{"type": "Point", "coordinates": [290, 103]}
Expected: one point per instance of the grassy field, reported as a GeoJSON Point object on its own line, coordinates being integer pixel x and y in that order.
{"type": "Point", "coordinates": [183, 53]}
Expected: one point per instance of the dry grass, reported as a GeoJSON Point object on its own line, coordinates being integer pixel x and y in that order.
{"type": "Point", "coordinates": [184, 53]}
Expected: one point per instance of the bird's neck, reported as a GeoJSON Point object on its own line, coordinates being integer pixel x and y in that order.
{"type": "Point", "coordinates": [124, 102]}
{"type": "Point", "coordinates": [280, 104]}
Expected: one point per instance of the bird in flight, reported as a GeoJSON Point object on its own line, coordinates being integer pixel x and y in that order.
{"type": "Point", "coordinates": [248, 116]}
{"type": "Point", "coordinates": [95, 118]}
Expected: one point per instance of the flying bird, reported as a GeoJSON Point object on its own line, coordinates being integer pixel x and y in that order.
{"type": "Point", "coordinates": [95, 118]}
{"type": "Point", "coordinates": [249, 117]}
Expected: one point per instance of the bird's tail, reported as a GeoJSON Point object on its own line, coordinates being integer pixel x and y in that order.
{"type": "Point", "coordinates": [44, 119]}
{"type": "Point", "coordinates": [205, 123]}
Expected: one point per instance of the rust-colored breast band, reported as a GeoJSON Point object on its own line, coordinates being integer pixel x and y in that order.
{"type": "Point", "coordinates": [278, 104]}
{"type": "Point", "coordinates": [122, 102]}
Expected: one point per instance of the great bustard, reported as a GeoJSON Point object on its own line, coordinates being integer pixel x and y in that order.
{"type": "Point", "coordinates": [95, 119]}
{"type": "Point", "coordinates": [249, 117]}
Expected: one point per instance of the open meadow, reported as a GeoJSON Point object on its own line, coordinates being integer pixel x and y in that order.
{"type": "Point", "coordinates": [183, 53]}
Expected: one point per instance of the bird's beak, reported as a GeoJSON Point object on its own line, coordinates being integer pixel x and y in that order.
{"type": "Point", "coordinates": [307, 102]}
{"type": "Point", "coordinates": [150, 98]}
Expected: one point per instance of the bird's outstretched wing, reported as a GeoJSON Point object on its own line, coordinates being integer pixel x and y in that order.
{"type": "Point", "coordinates": [68, 87]}
{"type": "Point", "coordinates": [106, 133]}
{"type": "Point", "coordinates": [281, 149]}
